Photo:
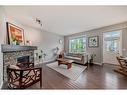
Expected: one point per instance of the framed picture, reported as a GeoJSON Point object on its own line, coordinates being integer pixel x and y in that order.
{"type": "Point", "coordinates": [15, 34]}
{"type": "Point", "coordinates": [93, 41]}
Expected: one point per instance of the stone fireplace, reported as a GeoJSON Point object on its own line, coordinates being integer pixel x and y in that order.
{"type": "Point", "coordinates": [14, 54]}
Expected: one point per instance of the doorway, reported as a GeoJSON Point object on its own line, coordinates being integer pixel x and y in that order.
{"type": "Point", "coordinates": [112, 46]}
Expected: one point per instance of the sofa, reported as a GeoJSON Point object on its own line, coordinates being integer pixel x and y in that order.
{"type": "Point", "coordinates": [78, 58]}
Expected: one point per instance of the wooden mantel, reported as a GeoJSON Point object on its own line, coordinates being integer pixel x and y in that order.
{"type": "Point", "coordinates": [14, 48]}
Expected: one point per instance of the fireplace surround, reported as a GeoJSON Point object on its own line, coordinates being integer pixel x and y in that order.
{"type": "Point", "coordinates": [12, 54]}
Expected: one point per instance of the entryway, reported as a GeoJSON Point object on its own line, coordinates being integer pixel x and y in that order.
{"type": "Point", "coordinates": [112, 46]}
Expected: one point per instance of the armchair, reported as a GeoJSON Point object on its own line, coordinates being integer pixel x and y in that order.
{"type": "Point", "coordinates": [19, 78]}
{"type": "Point", "coordinates": [122, 65]}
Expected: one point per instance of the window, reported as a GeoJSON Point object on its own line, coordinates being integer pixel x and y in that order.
{"type": "Point", "coordinates": [112, 45]}
{"type": "Point", "coordinates": [77, 45]}
{"type": "Point", "coordinates": [112, 41]}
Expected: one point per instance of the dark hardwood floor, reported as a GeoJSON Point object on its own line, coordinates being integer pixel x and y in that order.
{"type": "Point", "coordinates": [95, 77]}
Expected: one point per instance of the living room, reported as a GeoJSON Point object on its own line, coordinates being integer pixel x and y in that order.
{"type": "Point", "coordinates": [74, 45]}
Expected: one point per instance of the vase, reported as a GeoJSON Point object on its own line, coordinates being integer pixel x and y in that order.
{"type": "Point", "coordinates": [17, 43]}
{"type": "Point", "coordinates": [13, 42]}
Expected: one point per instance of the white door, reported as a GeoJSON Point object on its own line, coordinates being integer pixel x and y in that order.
{"type": "Point", "coordinates": [112, 46]}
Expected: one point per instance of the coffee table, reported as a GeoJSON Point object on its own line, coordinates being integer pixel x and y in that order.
{"type": "Point", "coordinates": [67, 62]}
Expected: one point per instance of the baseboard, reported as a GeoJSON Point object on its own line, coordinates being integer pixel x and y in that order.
{"type": "Point", "coordinates": [97, 63]}
{"type": "Point", "coordinates": [1, 85]}
{"type": "Point", "coordinates": [112, 64]}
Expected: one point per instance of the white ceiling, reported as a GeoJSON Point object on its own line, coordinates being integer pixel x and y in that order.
{"type": "Point", "coordinates": [66, 20]}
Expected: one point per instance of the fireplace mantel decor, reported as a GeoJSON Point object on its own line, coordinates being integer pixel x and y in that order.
{"type": "Point", "coordinates": [15, 34]}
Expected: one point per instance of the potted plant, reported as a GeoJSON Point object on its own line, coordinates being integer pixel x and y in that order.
{"type": "Point", "coordinates": [92, 56]}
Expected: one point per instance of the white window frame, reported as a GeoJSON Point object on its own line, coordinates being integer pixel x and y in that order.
{"type": "Point", "coordinates": [76, 37]}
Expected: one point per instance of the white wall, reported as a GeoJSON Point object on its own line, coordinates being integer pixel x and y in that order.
{"type": "Point", "coordinates": [1, 68]}
{"type": "Point", "coordinates": [49, 42]}
{"type": "Point", "coordinates": [1, 42]}
{"type": "Point", "coordinates": [2, 25]}
{"type": "Point", "coordinates": [46, 41]}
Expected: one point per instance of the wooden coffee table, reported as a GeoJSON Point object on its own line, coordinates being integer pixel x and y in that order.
{"type": "Point", "coordinates": [65, 62]}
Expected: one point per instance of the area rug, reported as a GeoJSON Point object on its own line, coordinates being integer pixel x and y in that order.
{"type": "Point", "coordinates": [73, 73]}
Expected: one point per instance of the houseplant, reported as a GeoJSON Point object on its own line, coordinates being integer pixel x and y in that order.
{"type": "Point", "coordinates": [92, 56]}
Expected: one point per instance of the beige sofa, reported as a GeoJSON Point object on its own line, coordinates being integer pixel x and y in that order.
{"type": "Point", "coordinates": [78, 58]}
